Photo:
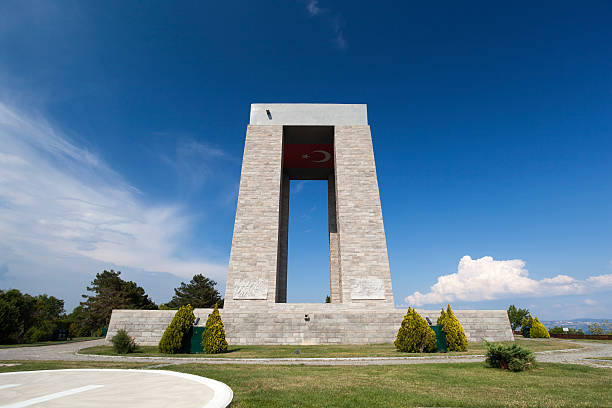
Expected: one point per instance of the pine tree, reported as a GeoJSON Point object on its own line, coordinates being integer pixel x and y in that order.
{"type": "Point", "coordinates": [173, 338]}
{"type": "Point", "coordinates": [538, 330]}
{"type": "Point", "coordinates": [415, 335]}
{"type": "Point", "coordinates": [440, 321]}
{"type": "Point", "coordinates": [213, 339]}
{"type": "Point", "coordinates": [453, 331]}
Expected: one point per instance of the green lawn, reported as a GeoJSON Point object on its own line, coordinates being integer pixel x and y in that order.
{"type": "Point", "coordinates": [369, 350]}
{"type": "Point", "coordinates": [49, 343]}
{"type": "Point", "coordinates": [593, 341]}
{"type": "Point", "coordinates": [450, 385]}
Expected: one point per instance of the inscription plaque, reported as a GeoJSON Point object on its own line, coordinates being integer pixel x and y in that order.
{"type": "Point", "coordinates": [250, 289]}
{"type": "Point", "coordinates": [367, 288]}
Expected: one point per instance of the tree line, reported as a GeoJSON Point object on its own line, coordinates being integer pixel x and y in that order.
{"type": "Point", "coordinates": [28, 319]}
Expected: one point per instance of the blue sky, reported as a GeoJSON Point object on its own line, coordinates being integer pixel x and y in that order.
{"type": "Point", "coordinates": [122, 127]}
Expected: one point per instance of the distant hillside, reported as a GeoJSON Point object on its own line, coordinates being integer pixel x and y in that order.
{"type": "Point", "coordinates": [581, 323]}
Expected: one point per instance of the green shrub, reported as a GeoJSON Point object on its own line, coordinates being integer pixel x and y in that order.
{"type": "Point", "coordinates": [415, 335]}
{"type": "Point", "coordinates": [596, 329]}
{"type": "Point", "coordinates": [453, 331]}
{"type": "Point", "coordinates": [174, 336]}
{"type": "Point", "coordinates": [513, 357]}
{"type": "Point", "coordinates": [213, 338]}
{"type": "Point", "coordinates": [10, 325]}
{"type": "Point", "coordinates": [526, 324]}
{"type": "Point", "coordinates": [538, 330]}
{"type": "Point", "coordinates": [123, 343]}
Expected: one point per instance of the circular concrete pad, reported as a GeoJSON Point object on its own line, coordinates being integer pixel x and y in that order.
{"type": "Point", "coordinates": [111, 388]}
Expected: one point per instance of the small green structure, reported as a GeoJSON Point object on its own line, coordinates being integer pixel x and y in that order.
{"type": "Point", "coordinates": [195, 345]}
{"type": "Point", "coordinates": [440, 339]}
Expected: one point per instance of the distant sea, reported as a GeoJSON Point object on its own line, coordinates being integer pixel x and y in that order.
{"type": "Point", "coordinates": [579, 324]}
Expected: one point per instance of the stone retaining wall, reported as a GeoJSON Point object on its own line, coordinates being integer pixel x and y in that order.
{"type": "Point", "coordinates": [307, 324]}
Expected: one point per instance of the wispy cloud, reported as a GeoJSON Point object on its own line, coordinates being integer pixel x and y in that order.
{"type": "Point", "coordinates": [196, 162]}
{"type": "Point", "coordinates": [60, 199]}
{"type": "Point", "coordinates": [488, 279]}
{"type": "Point", "coordinates": [333, 19]}
{"type": "Point", "coordinates": [313, 7]}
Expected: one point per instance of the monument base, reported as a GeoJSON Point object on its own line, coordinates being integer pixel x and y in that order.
{"type": "Point", "coordinates": [308, 323]}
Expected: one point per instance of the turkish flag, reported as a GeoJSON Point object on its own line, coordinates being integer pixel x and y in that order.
{"type": "Point", "coordinates": [309, 156]}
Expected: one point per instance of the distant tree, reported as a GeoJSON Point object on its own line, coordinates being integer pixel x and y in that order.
{"type": "Point", "coordinates": [200, 292]}
{"type": "Point", "coordinates": [48, 310]}
{"type": "Point", "coordinates": [77, 323]}
{"type": "Point", "coordinates": [26, 318]}
{"type": "Point", "coordinates": [10, 326]}
{"type": "Point", "coordinates": [595, 328]}
{"type": "Point", "coordinates": [570, 330]}
{"type": "Point", "coordinates": [111, 292]}
{"type": "Point", "coordinates": [516, 316]}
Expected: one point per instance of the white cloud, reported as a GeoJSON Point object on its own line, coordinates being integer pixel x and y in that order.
{"type": "Point", "coordinates": [601, 280]}
{"type": "Point", "coordinates": [334, 20]}
{"type": "Point", "coordinates": [313, 7]}
{"type": "Point", "coordinates": [488, 279]}
{"type": "Point", "coordinates": [590, 302]}
{"type": "Point", "coordinates": [58, 198]}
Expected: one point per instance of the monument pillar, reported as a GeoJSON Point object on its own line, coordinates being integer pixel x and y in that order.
{"type": "Point", "coordinates": [364, 265]}
{"type": "Point", "coordinates": [253, 265]}
{"type": "Point", "coordinates": [308, 142]}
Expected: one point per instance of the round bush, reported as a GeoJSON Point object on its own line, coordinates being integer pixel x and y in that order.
{"type": "Point", "coordinates": [513, 357]}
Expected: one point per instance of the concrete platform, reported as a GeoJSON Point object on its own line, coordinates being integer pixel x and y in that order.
{"type": "Point", "coordinates": [94, 388]}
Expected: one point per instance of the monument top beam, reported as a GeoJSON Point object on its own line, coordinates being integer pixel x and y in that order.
{"type": "Point", "coordinates": [309, 114]}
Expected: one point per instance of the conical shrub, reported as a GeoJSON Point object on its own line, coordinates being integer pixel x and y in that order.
{"type": "Point", "coordinates": [415, 335]}
{"type": "Point", "coordinates": [538, 330]}
{"type": "Point", "coordinates": [456, 339]}
{"type": "Point", "coordinates": [213, 339]}
{"type": "Point", "coordinates": [173, 338]}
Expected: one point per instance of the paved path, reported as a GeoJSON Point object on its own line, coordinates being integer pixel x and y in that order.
{"type": "Point", "coordinates": [102, 388]}
{"type": "Point", "coordinates": [69, 352]}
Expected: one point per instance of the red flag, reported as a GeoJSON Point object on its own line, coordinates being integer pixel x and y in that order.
{"type": "Point", "coordinates": [309, 156]}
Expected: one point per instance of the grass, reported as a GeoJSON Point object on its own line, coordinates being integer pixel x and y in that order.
{"type": "Point", "coordinates": [450, 385]}
{"type": "Point", "coordinates": [592, 341]}
{"type": "Point", "coordinates": [49, 343]}
{"type": "Point", "coordinates": [369, 350]}
{"type": "Point", "coordinates": [30, 365]}
{"type": "Point", "coordinates": [600, 358]}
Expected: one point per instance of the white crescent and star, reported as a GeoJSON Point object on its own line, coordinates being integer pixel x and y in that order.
{"type": "Point", "coordinates": [326, 155]}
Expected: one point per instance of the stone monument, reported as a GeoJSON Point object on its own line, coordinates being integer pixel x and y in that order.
{"type": "Point", "coordinates": [330, 142]}
{"type": "Point", "coordinates": [308, 142]}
